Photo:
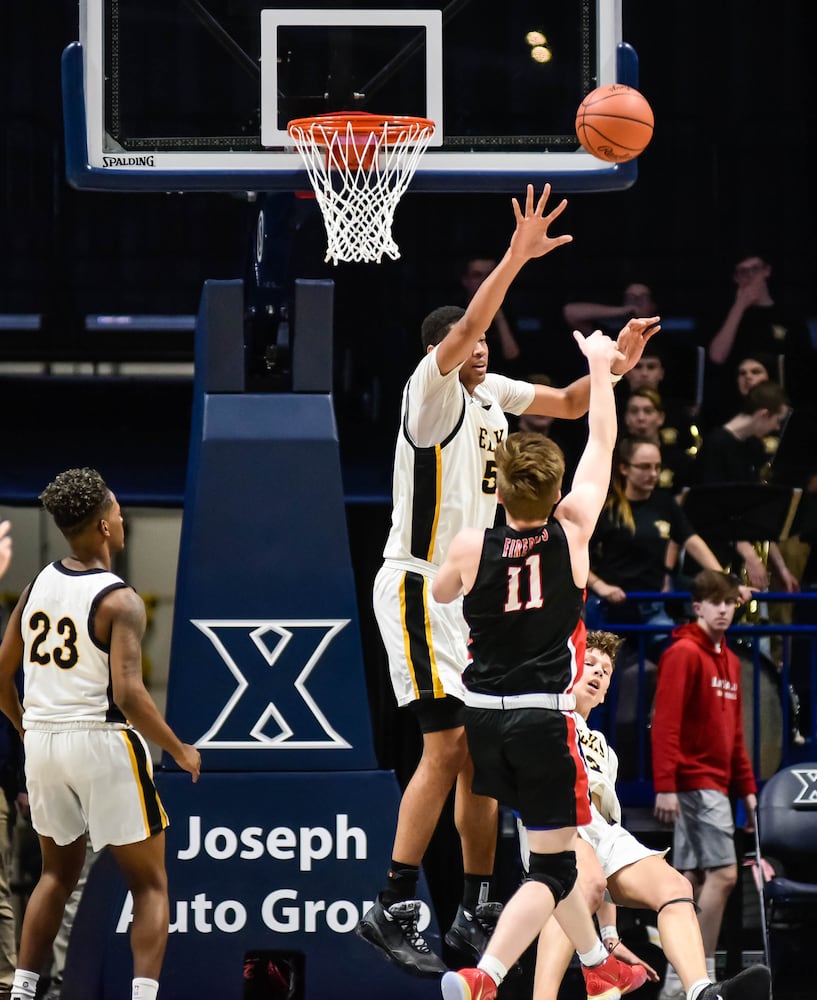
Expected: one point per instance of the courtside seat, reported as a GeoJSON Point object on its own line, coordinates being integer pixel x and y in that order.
{"type": "Point", "coordinates": [787, 843]}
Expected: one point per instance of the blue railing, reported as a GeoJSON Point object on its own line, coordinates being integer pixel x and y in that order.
{"type": "Point", "coordinates": [779, 693]}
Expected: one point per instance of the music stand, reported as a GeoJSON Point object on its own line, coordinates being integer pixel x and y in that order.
{"type": "Point", "coordinates": [735, 512]}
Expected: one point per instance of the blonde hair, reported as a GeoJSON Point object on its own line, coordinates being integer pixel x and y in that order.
{"type": "Point", "coordinates": [618, 504]}
{"type": "Point", "coordinates": [605, 642]}
{"type": "Point", "coordinates": [530, 469]}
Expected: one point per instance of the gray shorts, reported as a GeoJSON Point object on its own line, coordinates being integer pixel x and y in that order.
{"type": "Point", "coordinates": [704, 831]}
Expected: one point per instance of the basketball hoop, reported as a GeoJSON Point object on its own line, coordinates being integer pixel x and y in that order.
{"type": "Point", "coordinates": [359, 165]}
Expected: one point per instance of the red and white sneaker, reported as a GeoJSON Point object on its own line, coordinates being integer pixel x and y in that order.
{"type": "Point", "coordinates": [612, 979]}
{"type": "Point", "coordinates": [468, 984]}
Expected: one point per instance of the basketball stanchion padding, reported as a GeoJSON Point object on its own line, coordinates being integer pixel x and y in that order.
{"type": "Point", "coordinates": [359, 165]}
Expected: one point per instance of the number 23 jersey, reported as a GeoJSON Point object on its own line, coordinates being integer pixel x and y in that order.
{"type": "Point", "coordinates": [67, 676]}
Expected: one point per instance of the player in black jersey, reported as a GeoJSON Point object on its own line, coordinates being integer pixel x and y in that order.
{"type": "Point", "coordinates": [523, 586]}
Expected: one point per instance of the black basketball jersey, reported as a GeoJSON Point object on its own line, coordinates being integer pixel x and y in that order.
{"type": "Point", "coordinates": [525, 614]}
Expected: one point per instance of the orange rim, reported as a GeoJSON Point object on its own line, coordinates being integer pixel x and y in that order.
{"type": "Point", "coordinates": [360, 123]}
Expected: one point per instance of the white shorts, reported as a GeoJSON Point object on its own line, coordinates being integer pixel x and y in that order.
{"type": "Point", "coordinates": [426, 642]}
{"type": "Point", "coordinates": [94, 780]}
{"type": "Point", "coordinates": [616, 847]}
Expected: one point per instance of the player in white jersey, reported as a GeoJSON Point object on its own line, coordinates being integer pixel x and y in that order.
{"type": "Point", "coordinates": [86, 714]}
{"type": "Point", "coordinates": [453, 416]}
{"type": "Point", "coordinates": [611, 858]}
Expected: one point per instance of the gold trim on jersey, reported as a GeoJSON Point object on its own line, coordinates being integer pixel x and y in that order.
{"type": "Point", "coordinates": [417, 639]}
{"type": "Point", "coordinates": [153, 812]}
{"type": "Point", "coordinates": [438, 456]}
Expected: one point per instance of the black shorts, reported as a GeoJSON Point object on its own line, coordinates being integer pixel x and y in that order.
{"type": "Point", "coordinates": [529, 760]}
{"type": "Point", "coordinates": [433, 715]}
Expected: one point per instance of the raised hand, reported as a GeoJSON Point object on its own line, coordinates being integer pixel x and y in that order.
{"type": "Point", "coordinates": [632, 340]}
{"type": "Point", "coordinates": [753, 291]}
{"type": "Point", "coordinates": [597, 345]}
{"type": "Point", "coordinates": [531, 237]}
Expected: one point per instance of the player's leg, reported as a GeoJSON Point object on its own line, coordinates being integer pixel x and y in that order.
{"type": "Point", "coordinates": [58, 818]}
{"type": "Point", "coordinates": [143, 867]}
{"type": "Point", "coordinates": [425, 645]}
{"type": "Point", "coordinates": [552, 873]}
{"type": "Point", "coordinates": [426, 792]}
{"type": "Point", "coordinates": [530, 759]}
{"type": "Point", "coordinates": [653, 883]}
{"type": "Point", "coordinates": [656, 885]}
{"type": "Point", "coordinates": [554, 950]}
{"type": "Point", "coordinates": [391, 924]}
{"type": "Point", "coordinates": [476, 818]}
{"type": "Point", "coordinates": [61, 867]}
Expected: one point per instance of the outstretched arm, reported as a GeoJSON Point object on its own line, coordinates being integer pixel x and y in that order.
{"type": "Point", "coordinates": [574, 400]}
{"type": "Point", "coordinates": [530, 239]}
{"type": "Point", "coordinates": [580, 509]}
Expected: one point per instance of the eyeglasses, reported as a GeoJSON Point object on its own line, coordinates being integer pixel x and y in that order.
{"type": "Point", "coordinates": [645, 466]}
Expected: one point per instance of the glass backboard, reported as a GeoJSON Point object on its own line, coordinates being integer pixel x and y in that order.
{"type": "Point", "coordinates": [196, 94]}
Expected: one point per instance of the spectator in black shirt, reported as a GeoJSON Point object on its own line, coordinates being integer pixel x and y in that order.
{"type": "Point", "coordinates": [736, 453]}
{"type": "Point", "coordinates": [758, 322]}
{"type": "Point", "coordinates": [632, 547]}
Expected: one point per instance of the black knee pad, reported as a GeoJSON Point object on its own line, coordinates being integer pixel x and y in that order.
{"type": "Point", "coordinates": [556, 871]}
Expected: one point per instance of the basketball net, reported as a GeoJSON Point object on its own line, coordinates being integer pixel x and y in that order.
{"type": "Point", "coordinates": [360, 165]}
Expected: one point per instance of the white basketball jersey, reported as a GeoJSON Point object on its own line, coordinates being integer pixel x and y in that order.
{"type": "Point", "coordinates": [444, 463]}
{"type": "Point", "coordinates": [602, 770]}
{"type": "Point", "coordinates": [67, 676]}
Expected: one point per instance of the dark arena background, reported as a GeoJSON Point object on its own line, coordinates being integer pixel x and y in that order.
{"type": "Point", "coordinates": [729, 173]}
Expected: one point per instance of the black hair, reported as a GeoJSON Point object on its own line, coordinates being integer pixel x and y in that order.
{"type": "Point", "coordinates": [76, 497]}
{"type": "Point", "coordinates": [437, 324]}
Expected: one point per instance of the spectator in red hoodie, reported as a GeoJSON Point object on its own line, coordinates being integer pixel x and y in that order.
{"type": "Point", "coordinates": [699, 755]}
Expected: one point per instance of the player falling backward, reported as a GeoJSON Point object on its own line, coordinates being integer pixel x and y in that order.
{"type": "Point", "coordinates": [610, 857]}
{"type": "Point", "coordinates": [523, 594]}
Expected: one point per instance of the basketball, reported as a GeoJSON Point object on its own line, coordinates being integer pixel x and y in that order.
{"type": "Point", "coordinates": [614, 123]}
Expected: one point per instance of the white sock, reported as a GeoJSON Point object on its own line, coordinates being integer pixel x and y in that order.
{"type": "Point", "coordinates": [696, 987]}
{"type": "Point", "coordinates": [493, 967]}
{"type": "Point", "coordinates": [710, 967]}
{"type": "Point", "coordinates": [598, 955]}
{"type": "Point", "coordinates": [24, 985]}
{"type": "Point", "coordinates": [144, 989]}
